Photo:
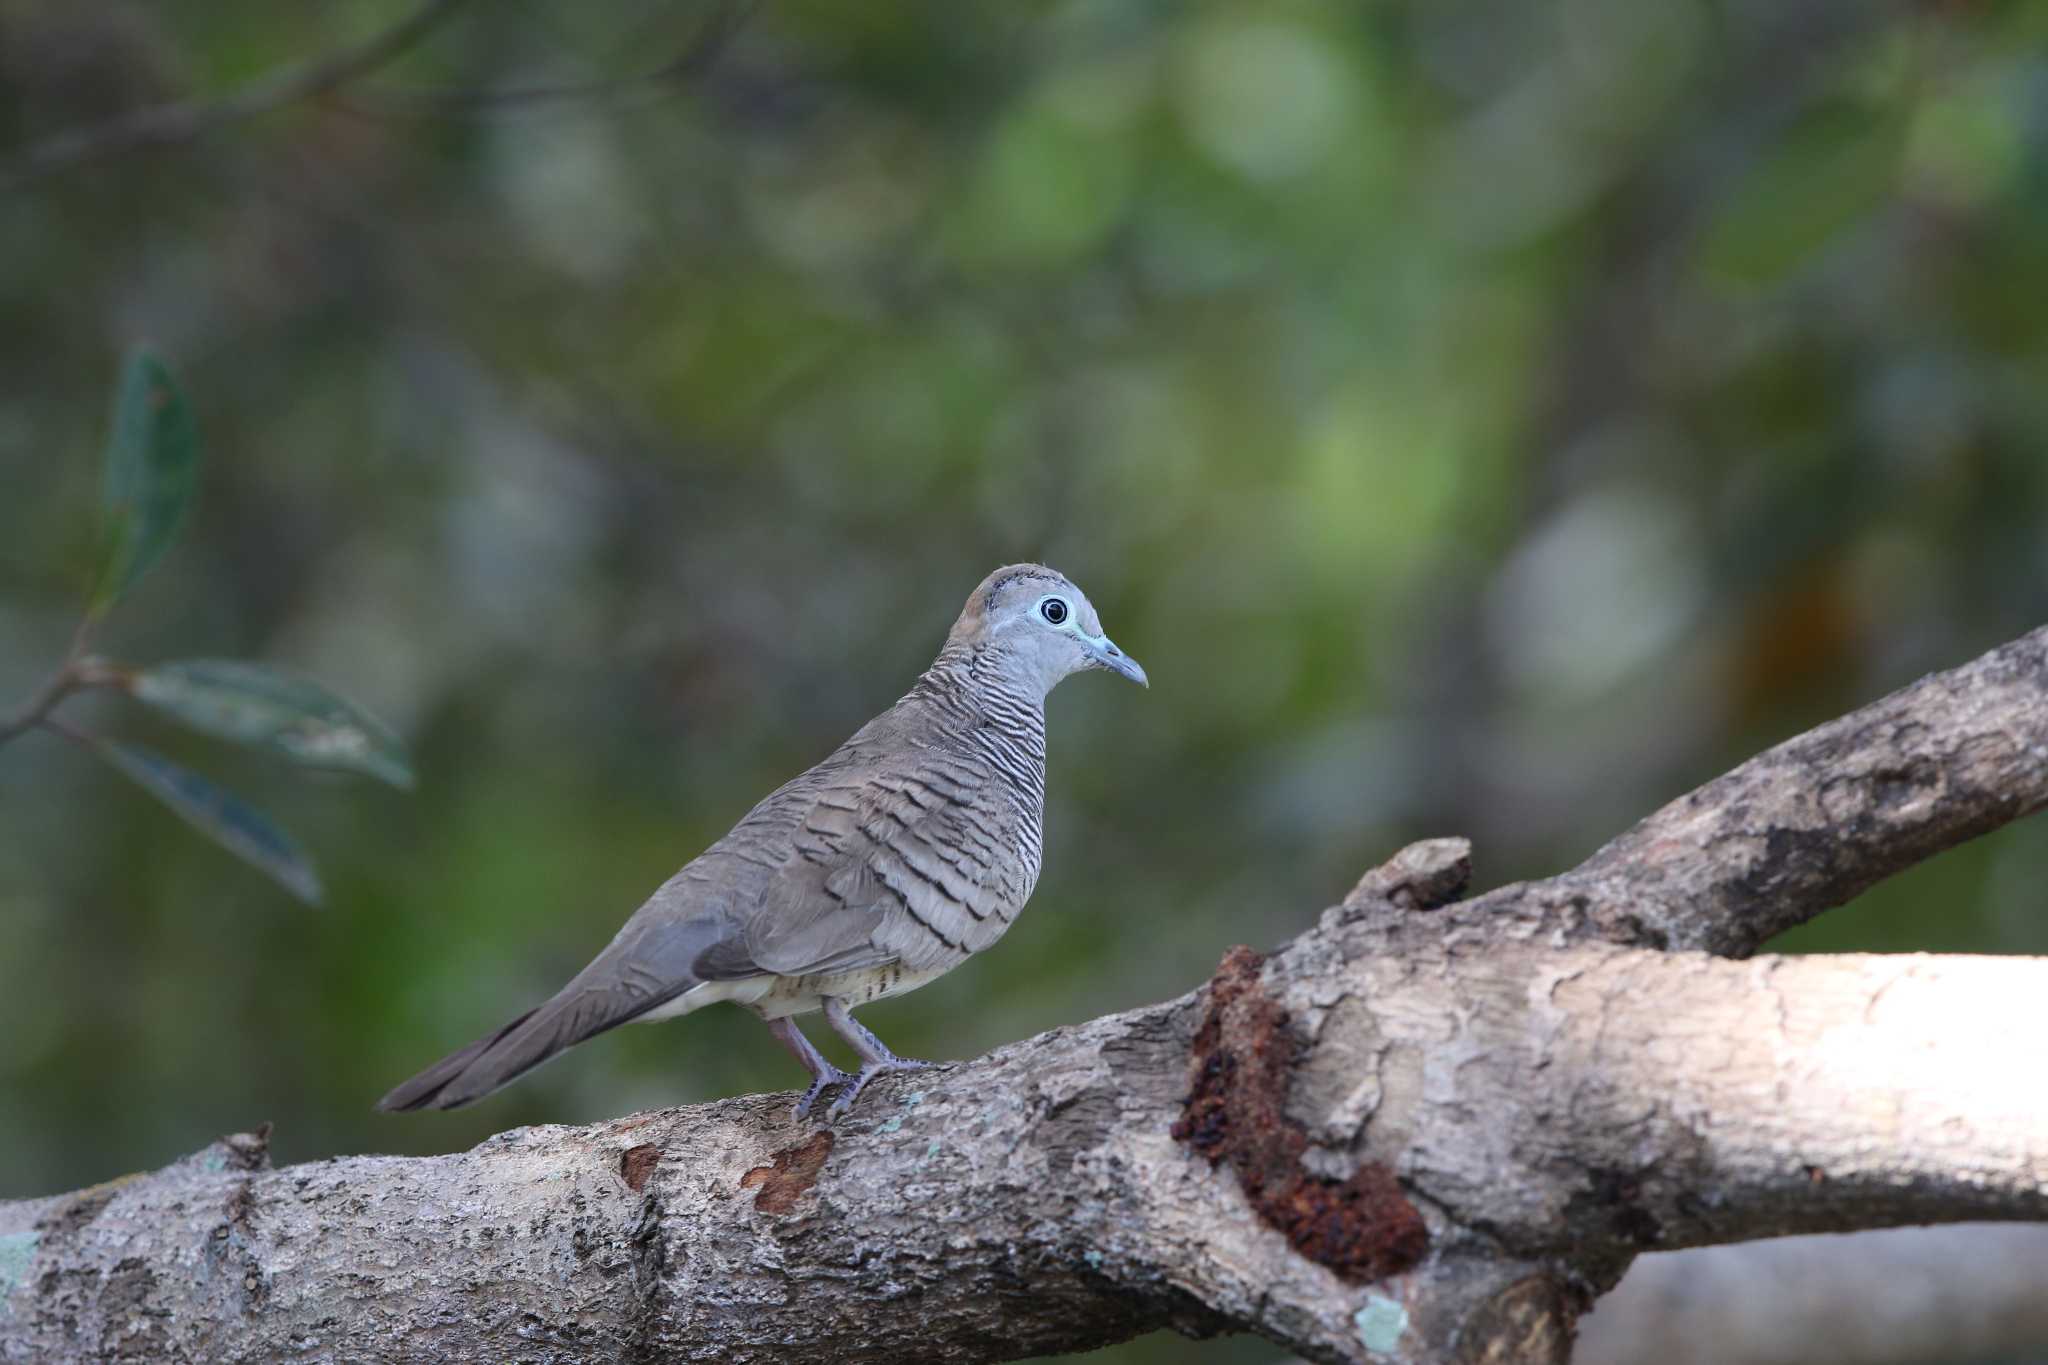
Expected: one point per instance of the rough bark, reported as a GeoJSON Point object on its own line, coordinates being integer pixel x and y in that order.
{"type": "Point", "coordinates": [1421, 1130]}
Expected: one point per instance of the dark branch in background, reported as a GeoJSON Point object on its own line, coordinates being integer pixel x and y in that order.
{"type": "Point", "coordinates": [180, 121]}
{"type": "Point", "coordinates": [1290, 1150]}
{"type": "Point", "coordinates": [703, 49]}
{"type": "Point", "coordinates": [1903, 1296]}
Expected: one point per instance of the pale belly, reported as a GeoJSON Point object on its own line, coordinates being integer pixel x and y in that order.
{"type": "Point", "coordinates": [775, 997]}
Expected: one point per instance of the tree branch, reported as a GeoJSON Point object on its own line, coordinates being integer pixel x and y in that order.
{"type": "Point", "coordinates": [697, 56]}
{"type": "Point", "coordinates": [77, 671]}
{"type": "Point", "coordinates": [1812, 823]}
{"type": "Point", "coordinates": [1650, 1100]}
{"type": "Point", "coordinates": [1425, 1131]}
{"type": "Point", "coordinates": [1816, 821]}
{"type": "Point", "coordinates": [1036, 1200]}
{"type": "Point", "coordinates": [184, 120]}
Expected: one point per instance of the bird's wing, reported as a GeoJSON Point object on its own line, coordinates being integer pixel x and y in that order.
{"type": "Point", "coordinates": [910, 860]}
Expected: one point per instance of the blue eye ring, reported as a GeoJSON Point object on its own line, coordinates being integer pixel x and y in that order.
{"type": "Point", "coordinates": [1054, 610]}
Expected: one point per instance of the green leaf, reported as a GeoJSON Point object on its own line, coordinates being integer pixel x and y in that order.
{"type": "Point", "coordinates": [1833, 169]}
{"type": "Point", "coordinates": [258, 705]}
{"type": "Point", "coordinates": [219, 814]}
{"type": "Point", "coordinates": [152, 466]}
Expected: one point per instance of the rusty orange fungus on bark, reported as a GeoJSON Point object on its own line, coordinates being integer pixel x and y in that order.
{"type": "Point", "coordinates": [1363, 1228]}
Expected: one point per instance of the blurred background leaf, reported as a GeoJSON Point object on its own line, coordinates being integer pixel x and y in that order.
{"type": "Point", "coordinates": [1829, 171]}
{"type": "Point", "coordinates": [151, 469]}
{"type": "Point", "coordinates": [255, 704]}
{"type": "Point", "coordinates": [1479, 416]}
{"type": "Point", "coordinates": [218, 814]}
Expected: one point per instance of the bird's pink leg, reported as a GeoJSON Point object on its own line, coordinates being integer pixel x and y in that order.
{"type": "Point", "coordinates": [875, 1057]}
{"type": "Point", "coordinates": [823, 1073]}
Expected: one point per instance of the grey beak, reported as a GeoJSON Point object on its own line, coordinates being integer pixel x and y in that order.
{"type": "Point", "coordinates": [1103, 651]}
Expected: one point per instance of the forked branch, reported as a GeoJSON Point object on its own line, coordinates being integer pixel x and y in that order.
{"type": "Point", "coordinates": [1422, 1130]}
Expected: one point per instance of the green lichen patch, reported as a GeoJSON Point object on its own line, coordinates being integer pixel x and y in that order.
{"type": "Point", "coordinates": [17, 1250]}
{"type": "Point", "coordinates": [1380, 1323]}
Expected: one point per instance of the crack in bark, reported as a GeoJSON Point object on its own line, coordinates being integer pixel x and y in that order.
{"type": "Point", "coordinates": [649, 1260]}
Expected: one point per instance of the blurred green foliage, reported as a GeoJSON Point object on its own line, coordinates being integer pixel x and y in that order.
{"type": "Point", "coordinates": [149, 473]}
{"type": "Point", "coordinates": [1479, 417]}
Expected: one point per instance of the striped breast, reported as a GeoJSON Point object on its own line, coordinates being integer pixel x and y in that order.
{"type": "Point", "coordinates": [948, 843]}
{"type": "Point", "coordinates": [914, 846]}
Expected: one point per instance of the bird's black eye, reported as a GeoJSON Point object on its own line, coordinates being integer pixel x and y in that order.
{"type": "Point", "coordinates": [1053, 610]}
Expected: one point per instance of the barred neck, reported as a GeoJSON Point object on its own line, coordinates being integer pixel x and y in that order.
{"type": "Point", "coordinates": [1002, 722]}
{"type": "Point", "coordinates": [1000, 715]}
{"type": "Point", "coordinates": [972, 685]}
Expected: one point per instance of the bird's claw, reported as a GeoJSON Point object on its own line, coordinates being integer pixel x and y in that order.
{"type": "Point", "coordinates": [819, 1086]}
{"type": "Point", "coordinates": [867, 1073]}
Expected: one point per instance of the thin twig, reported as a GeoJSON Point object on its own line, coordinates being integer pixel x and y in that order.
{"type": "Point", "coordinates": [703, 49]}
{"type": "Point", "coordinates": [184, 120]}
{"type": "Point", "coordinates": [57, 725]}
{"type": "Point", "coordinates": [75, 672]}
{"type": "Point", "coordinates": [38, 707]}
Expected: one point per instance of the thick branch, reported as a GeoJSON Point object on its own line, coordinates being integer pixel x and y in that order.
{"type": "Point", "coordinates": [1653, 1100]}
{"type": "Point", "coordinates": [1432, 1132]}
{"type": "Point", "coordinates": [1801, 828]}
{"type": "Point", "coordinates": [1818, 820]}
{"type": "Point", "coordinates": [1036, 1201]}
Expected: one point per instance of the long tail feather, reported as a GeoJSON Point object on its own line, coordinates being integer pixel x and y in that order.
{"type": "Point", "coordinates": [422, 1090]}
{"type": "Point", "coordinates": [498, 1059]}
{"type": "Point", "coordinates": [651, 962]}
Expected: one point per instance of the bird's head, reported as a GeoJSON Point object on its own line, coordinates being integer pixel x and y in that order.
{"type": "Point", "coordinates": [1035, 623]}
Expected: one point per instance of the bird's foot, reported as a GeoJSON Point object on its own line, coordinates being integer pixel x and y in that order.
{"type": "Point", "coordinates": [824, 1081]}
{"type": "Point", "coordinates": [870, 1070]}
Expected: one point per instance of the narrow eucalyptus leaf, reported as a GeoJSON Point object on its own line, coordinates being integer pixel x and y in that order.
{"type": "Point", "coordinates": [265, 707]}
{"type": "Point", "coordinates": [219, 814]}
{"type": "Point", "coordinates": [152, 466]}
{"type": "Point", "coordinates": [1830, 170]}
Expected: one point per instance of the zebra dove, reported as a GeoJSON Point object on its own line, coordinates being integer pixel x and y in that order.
{"type": "Point", "coordinates": [902, 854]}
